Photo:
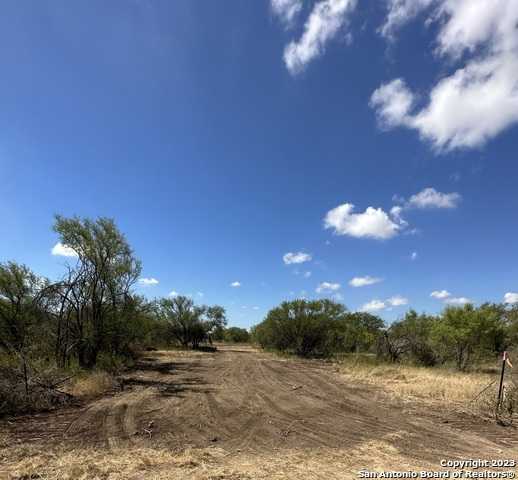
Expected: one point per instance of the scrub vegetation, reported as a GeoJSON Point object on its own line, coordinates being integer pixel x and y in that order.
{"type": "Point", "coordinates": [53, 332]}
{"type": "Point", "coordinates": [144, 378]}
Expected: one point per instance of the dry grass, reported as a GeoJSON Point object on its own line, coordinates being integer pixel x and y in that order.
{"type": "Point", "coordinates": [92, 384]}
{"type": "Point", "coordinates": [439, 385]}
{"type": "Point", "coordinates": [206, 464]}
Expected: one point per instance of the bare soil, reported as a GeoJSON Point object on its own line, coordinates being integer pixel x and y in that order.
{"type": "Point", "coordinates": [244, 402]}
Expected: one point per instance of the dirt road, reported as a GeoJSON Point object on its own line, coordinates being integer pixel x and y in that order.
{"type": "Point", "coordinates": [242, 401]}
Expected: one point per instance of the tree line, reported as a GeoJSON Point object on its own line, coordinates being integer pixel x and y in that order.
{"type": "Point", "coordinates": [91, 315]}
{"type": "Point", "coordinates": [459, 335]}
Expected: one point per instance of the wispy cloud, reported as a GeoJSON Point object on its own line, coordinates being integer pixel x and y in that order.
{"type": "Point", "coordinates": [286, 10]}
{"type": "Point", "coordinates": [440, 294]}
{"type": "Point", "coordinates": [235, 284]}
{"type": "Point", "coordinates": [364, 281]}
{"type": "Point", "coordinates": [326, 287]}
{"type": "Point", "coordinates": [296, 257]}
{"type": "Point", "coordinates": [458, 300]}
{"type": "Point", "coordinates": [431, 198]}
{"type": "Point", "coordinates": [376, 305]}
{"type": "Point", "coordinates": [326, 20]}
{"type": "Point", "coordinates": [373, 306]}
{"type": "Point", "coordinates": [397, 300]}
{"type": "Point", "coordinates": [148, 282]}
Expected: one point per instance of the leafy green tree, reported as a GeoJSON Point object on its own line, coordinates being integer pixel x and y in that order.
{"type": "Point", "coordinates": [303, 327]}
{"type": "Point", "coordinates": [19, 288]}
{"type": "Point", "coordinates": [466, 333]}
{"type": "Point", "coordinates": [236, 335]}
{"type": "Point", "coordinates": [414, 333]}
{"type": "Point", "coordinates": [360, 331]}
{"type": "Point", "coordinates": [190, 324]}
{"type": "Point", "coordinates": [97, 287]}
{"type": "Point", "coordinates": [217, 320]}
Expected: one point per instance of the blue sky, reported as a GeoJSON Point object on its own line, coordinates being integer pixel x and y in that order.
{"type": "Point", "coordinates": [223, 136]}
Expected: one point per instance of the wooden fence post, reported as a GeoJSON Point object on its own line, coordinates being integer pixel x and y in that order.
{"type": "Point", "coordinates": [504, 358]}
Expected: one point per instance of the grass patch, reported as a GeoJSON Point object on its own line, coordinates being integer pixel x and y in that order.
{"type": "Point", "coordinates": [439, 385]}
{"type": "Point", "coordinates": [92, 384]}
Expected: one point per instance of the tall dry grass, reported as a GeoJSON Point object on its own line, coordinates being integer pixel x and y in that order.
{"type": "Point", "coordinates": [437, 385]}
{"type": "Point", "coordinates": [92, 384]}
{"type": "Point", "coordinates": [207, 463]}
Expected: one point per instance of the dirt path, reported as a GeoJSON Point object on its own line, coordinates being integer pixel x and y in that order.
{"type": "Point", "coordinates": [240, 400]}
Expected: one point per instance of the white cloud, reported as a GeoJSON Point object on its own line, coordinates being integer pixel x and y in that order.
{"type": "Point", "coordinates": [440, 294]}
{"type": "Point", "coordinates": [395, 213]}
{"type": "Point", "coordinates": [306, 274]}
{"type": "Point", "coordinates": [326, 20]}
{"type": "Point", "coordinates": [377, 305]}
{"type": "Point", "coordinates": [400, 12]}
{"type": "Point", "coordinates": [255, 308]}
{"type": "Point", "coordinates": [325, 287]}
{"type": "Point", "coordinates": [364, 281]}
{"type": "Point", "coordinates": [173, 294]}
{"type": "Point", "coordinates": [511, 298]}
{"type": "Point", "coordinates": [431, 198]}
{"type": "Point", "coordinates": [373, 223]}
{"type": "Point", "coordinates": [63, 250]}
{"type": "Point", "coordinates": [297, 257]}
{"type": "Point", "coordinates": [235, 284]}
{"type": "Point", "coordinates": [392, 102]}
{"type": "Point", "coordinates": [479, 99]}
{"type": "Point", "coordinates": [397, 300]}
{"type": "Point", "coordinates": [373, 306]}
{"type": "Point", "coordinates": [147, 282]}
{"type": "Point", "coordinates": [286, 10]}
{"type": "Point", "coordinates": [413, 256]}
{"type": "Point", "coordinates": [458, 300]}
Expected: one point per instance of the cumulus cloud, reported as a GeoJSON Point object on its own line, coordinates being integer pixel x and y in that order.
{"type": "Point", "coordinates": [373, 306]}
{"type": "Point", "coordinates": [63, 250]}
{"type": "Point", "coordinates": [372, 223]}
{"type": "Point", "coordinates": [147, 282]}
{"type": "Point", "coordinates": [397, 301]}
{"type": "Point", "coordinates": [296, 257]}
{"type": "Point", "coordinates": [286, 10]}
{"type": "Point", "coordinates": [479, 99]}
{"type": "Point", "coordinates": [235, 284]}
{"type": "Point", "coordinates": [458, 300]}
{"type": "Point", "coordinates": [440, 294]}
{"type": "Point", "coordinates": [364, 281]}
{"type": "Point", "coordinates": [173, 293]}
{"type": "Point", "coordinates": [431, 198]}
{"type": "Point", "coordinates": [511, 298]}
{"type": "Point", "coordinates": [325, 22]}
{"type": "Point", "coordinates": [326, 287]}
{"type": "Point", "coordinates": [377, 305]}
{"type": "Point", "coordinates": [392, 102]}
